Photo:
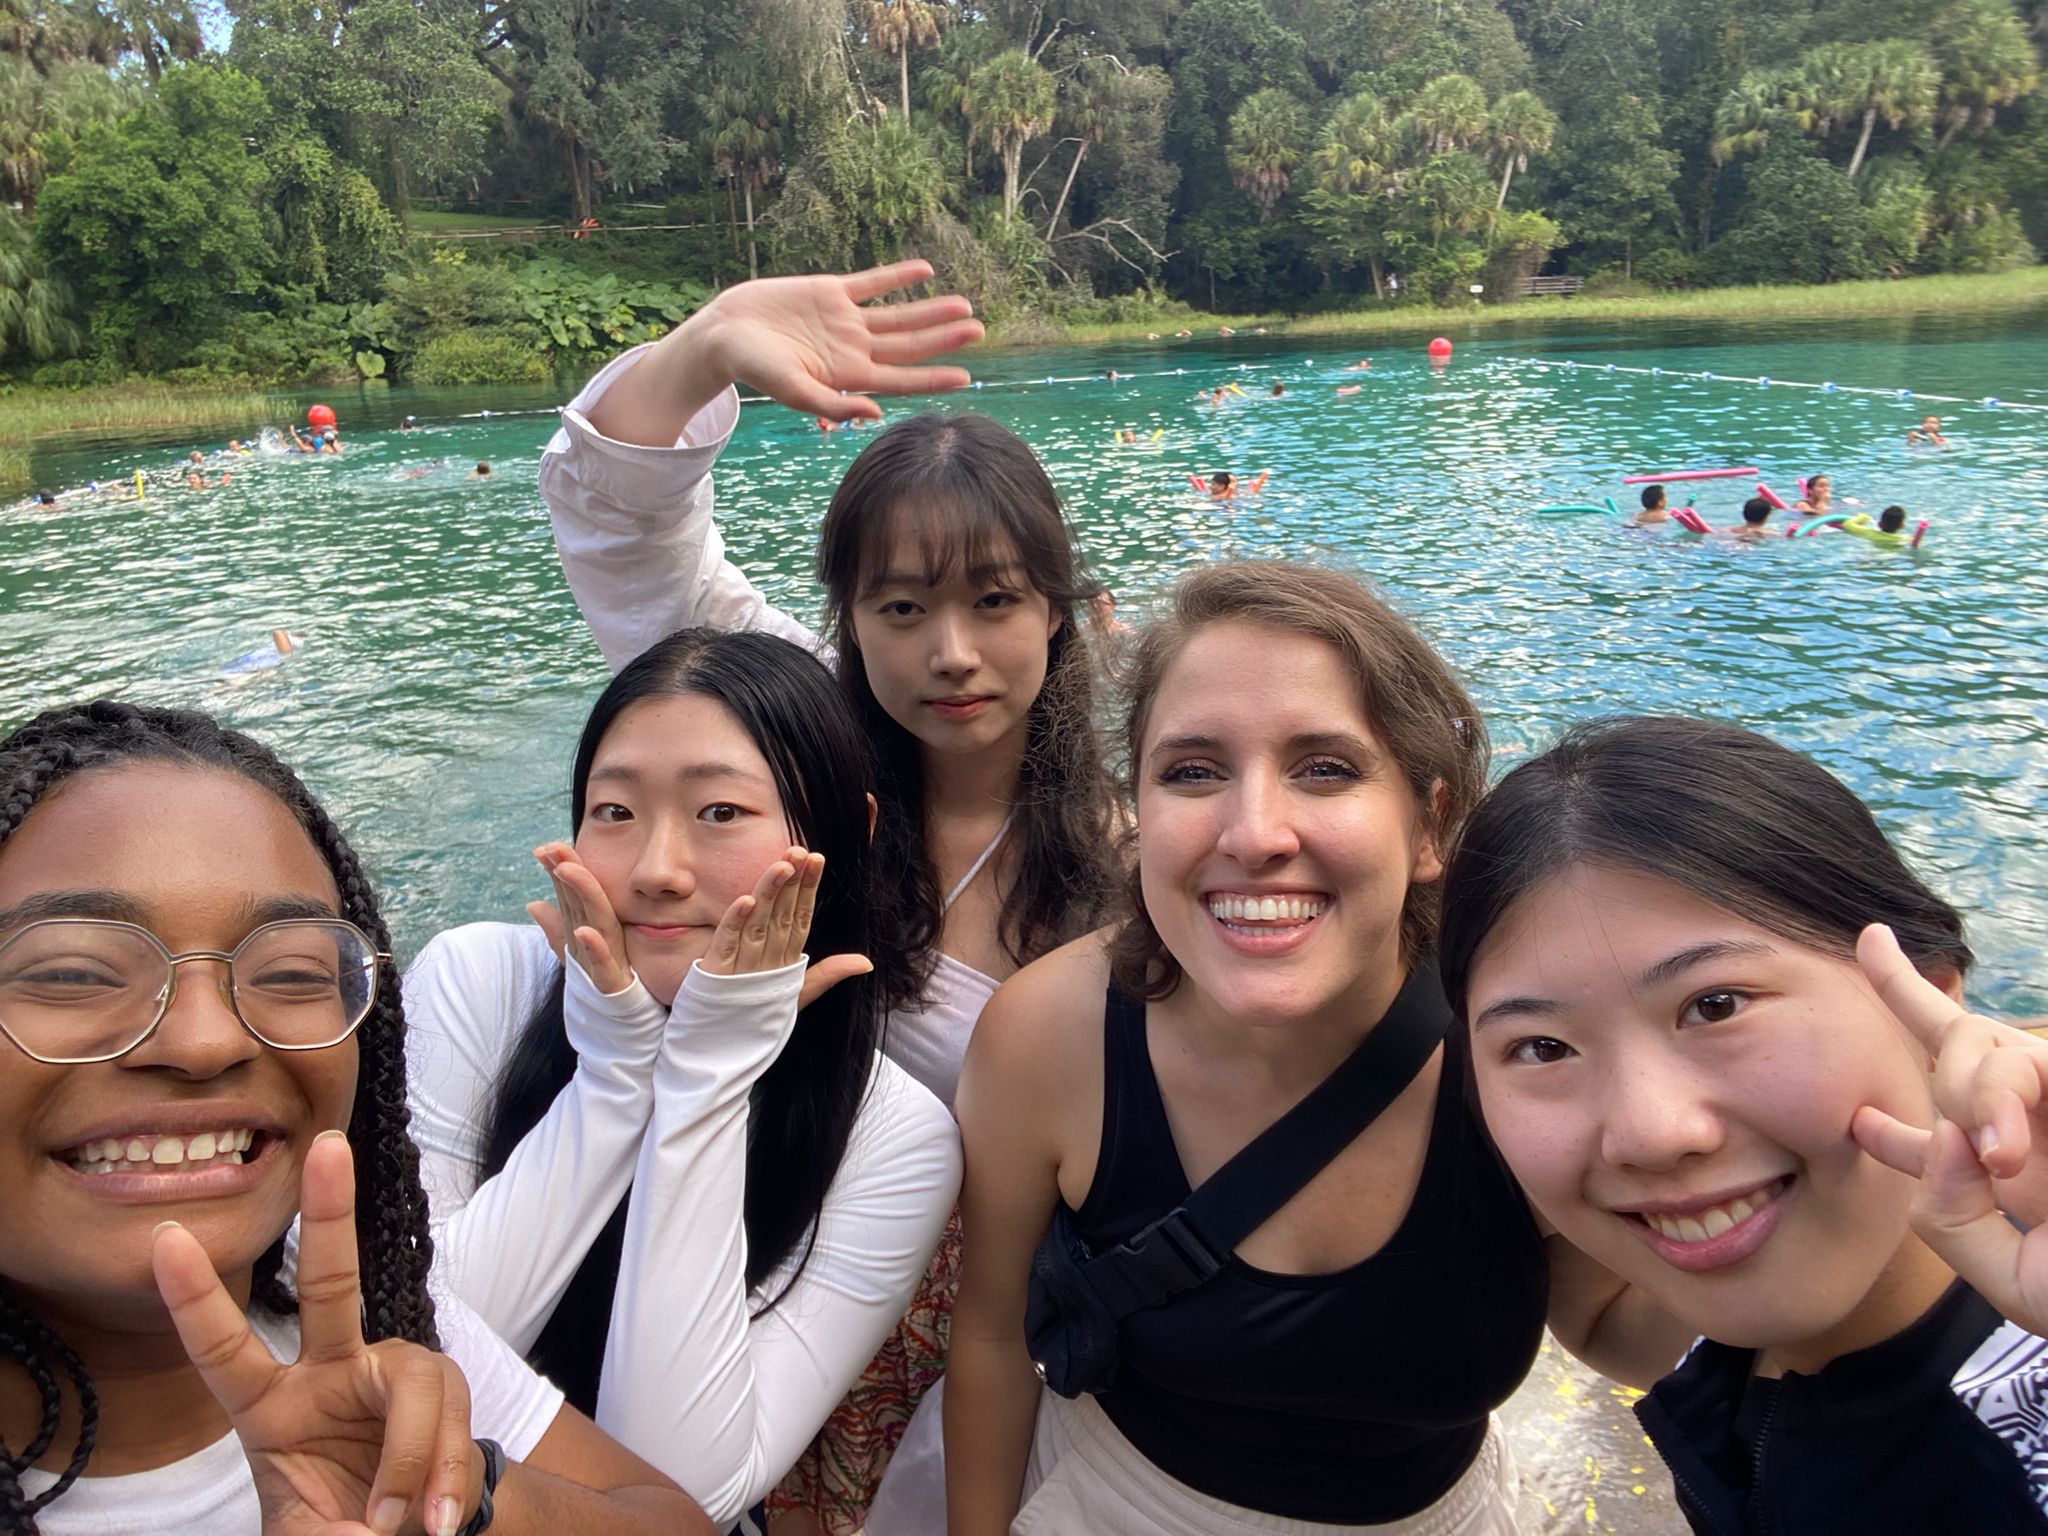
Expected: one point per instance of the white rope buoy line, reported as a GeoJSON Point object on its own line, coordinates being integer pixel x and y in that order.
{"type": "Point", "coordinates": [1988, 402]}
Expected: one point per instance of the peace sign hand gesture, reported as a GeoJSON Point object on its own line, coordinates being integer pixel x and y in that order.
{"type": "Point", "coordinates": [353, 1439]}
{"type": "Point", "coordinates": [1987, 1158]}
{"type": "Point", "coordinates": [766, 930]}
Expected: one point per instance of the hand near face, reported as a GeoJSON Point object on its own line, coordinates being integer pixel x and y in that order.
{"type": "Point", "coordinates": [581, 922]}
{"type": "Point", "coordinates": [353, 1439]}
{"type": "Point", "coordinates": [766, 929]}
{"type": "Point", "coordinates": [1987, 1158]}
{"type": "Point", "coordinates": [802, 340]}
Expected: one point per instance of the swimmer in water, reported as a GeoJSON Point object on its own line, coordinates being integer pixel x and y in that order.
{"type": "Point", "coordinates": [409, 424]}
{"type": "Point", "coordinates": [45, 499]}
{"type": "Point", "coordinates": [1102, 610]}
{"type": "Point", "coordinates": [481, 472]}
{"type": "Point", "coordinates": [1127, 436]}
{"type": "Point", "coordinates": [1277, 390]}
{"type": "Point", "coordinates": [1756, 512]}
{"type": "Point", "coordinates": [1349, 389]}
{"type": "Point", "coordinates": [1654, 508]}
{"type": "Point", "coordinates": [1818, 500]}
{"type": "Point", "coordinates": [1223, 485]}
{"type": "Point", "coordinates": [1928, 432]}
{"type": "Point", "coordinates": [1358, 367]}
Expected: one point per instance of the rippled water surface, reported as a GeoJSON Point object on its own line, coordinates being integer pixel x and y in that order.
{"type": "Point", "coordinates": [446, 670]}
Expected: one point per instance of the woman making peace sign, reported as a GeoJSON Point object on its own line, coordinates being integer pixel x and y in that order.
{"type": "Point", "coordinates": [195, 1006]}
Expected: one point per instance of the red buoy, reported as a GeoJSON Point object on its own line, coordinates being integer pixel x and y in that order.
{"type": "Point", "coordinates": [320, 416]}
{"type": "Point", "coordinates": [1441, 347]}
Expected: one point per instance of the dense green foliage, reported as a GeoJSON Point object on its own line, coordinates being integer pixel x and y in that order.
{"type": "Point", "coordinates": [243, 212]}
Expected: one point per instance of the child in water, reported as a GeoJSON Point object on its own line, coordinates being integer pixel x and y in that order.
{"type": "Point", "coordinates": [1818, 500]}
{"type": "Point", "coordinates": [1928, 432]}
{"type": "Point", "coordinates": [1654, 508]}
{"type": "Point", "coordinates": [1717, 1034]}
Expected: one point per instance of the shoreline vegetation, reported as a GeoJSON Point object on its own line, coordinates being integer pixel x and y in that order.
{"type": "Point", "coordinates": [30, 414]}
{"type": "Point", "coordinates": [2024, 287]}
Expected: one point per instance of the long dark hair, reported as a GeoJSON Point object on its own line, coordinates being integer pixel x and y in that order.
{"type": "Point", "coordinates": [392, 1244]}
{"type": "Point", "coordinates": [1727, 814]}
{"type": "Point", "coordinates": [803, 1108]}
{"type": "Point", "coordinates": [978, 499]}
{"type": "Point", "coordinates": [1409, 694]}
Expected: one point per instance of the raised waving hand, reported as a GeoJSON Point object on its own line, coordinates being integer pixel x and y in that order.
{"type": "Point", "coordinates": [1984, 1166]}
{"type": "Point", "coordinates": [766, 929]}
{"type": "Point", "coordinates": [816, 344]}
{"type": "Point", "coordinates": [352, 1439]}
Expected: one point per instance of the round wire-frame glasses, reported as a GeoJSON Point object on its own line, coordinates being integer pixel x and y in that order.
{"type": "Point", "coordinates": [88, 977]}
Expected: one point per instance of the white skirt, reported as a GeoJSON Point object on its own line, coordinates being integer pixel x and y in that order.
{"type": "Point", "coordinates": [1084, 1476]}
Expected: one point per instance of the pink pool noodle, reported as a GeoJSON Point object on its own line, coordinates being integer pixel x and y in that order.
{"type": "Point", "coordinates": [1693, 474]}
{"type": "Point", "coordinates": [1771, 496]}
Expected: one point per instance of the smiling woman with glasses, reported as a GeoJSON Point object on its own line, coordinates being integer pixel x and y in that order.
{"type": "Point", "coordinates": [205, 1172]}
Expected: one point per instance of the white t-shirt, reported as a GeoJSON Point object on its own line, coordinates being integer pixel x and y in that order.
{"type": "Point", "coordinates": [211, 1493]}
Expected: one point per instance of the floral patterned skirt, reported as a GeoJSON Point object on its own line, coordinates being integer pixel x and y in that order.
{"type": "Point", "coordinates": [837, 1477]}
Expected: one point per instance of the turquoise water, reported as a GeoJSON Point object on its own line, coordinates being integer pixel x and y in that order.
{"type": "Point", "coordinates": [446, 670]}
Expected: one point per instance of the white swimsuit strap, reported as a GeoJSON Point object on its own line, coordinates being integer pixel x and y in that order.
{"type": "Point", "coordinates": [975, 868]}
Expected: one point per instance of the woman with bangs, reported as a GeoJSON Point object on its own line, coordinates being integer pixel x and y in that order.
{"type": "Point", "coordinates": [954, 600]}
{"type": "Point", "coordinates": [667, 1160]}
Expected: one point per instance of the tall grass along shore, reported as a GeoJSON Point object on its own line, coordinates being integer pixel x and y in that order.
{"type": "Point", "coordinates": [1895, 296]}
{"type": "Point", "coordinates": [29, 415]}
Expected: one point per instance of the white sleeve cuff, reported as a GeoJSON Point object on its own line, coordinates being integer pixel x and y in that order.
{"type": "Point", "coordinates": [633, 474]}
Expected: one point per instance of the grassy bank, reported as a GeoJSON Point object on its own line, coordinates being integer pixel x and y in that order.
{"type": "Point", "coordinates": [1901, 296]}
{"type": "Point", "coordinates": [29, 415]}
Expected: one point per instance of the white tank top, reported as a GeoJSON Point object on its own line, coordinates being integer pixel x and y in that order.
{"type": "Point", "coordinates": [929, 1039]}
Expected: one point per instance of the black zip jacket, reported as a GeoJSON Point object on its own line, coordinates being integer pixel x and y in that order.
{"type": "Point", "coordinates": [1941, 1429]}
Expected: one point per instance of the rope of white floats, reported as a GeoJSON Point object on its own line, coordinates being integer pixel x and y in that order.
{"type": "Point", "coordinates": [1988, 402]}
{"type": "Point", "coordinates": [1826, 387]}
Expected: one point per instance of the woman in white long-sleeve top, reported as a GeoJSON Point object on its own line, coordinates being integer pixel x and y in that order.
{"type": "Point", "coordinates": [666, 1159]}
{"type": "Point", "coordinates": [955, 616]}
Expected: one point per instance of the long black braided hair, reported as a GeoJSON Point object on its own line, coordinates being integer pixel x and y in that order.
{"type": "Point", "coordinates": [391, 1208]}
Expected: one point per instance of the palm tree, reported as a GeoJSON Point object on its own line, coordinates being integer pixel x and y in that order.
{"type": "Point", "coordinates": [1359, 146]}
{"type": "Point", "coordinates": [1754, 108]}
{"type": "Point", "coordinates": [1895, 81]}
{"type": "Point", "coordinates": [1986, 62]}
{"type": "Point", "coordinates": [1265, 146]}
{"type": "Point", "coordinates": [1089, 105]}
{"type": "Point", "coordinates": [896, 27]}
{"type": "Point", "coordinates": [1357, 173]}
{"type": "Point", "coordinates": [746, 147]}
{"type": "Point", "coordinates": [36, 316]}
{"type": "Point", "coordinates": [902, 184]}
{"type": "Point", "coordinates": [1448, 113]}
{"type": "Point", "coordinates": [1011, 99]}
{"type": "Point", "coordinates": [1520, 125]}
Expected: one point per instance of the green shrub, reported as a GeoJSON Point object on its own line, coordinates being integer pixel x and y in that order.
{"type": "Point", "coordinates": [500, 355]}
{"type": "Point", "coordinates": [1665, 267]}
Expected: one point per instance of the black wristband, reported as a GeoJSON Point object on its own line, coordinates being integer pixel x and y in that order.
{"type": "Point", "coordinates": [494, 1468]}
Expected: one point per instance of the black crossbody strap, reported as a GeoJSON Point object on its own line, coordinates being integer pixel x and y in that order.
{"type": "Point", "coordinates": [1190, 1243]}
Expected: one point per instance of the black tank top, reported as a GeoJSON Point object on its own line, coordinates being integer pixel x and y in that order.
{"type": "Point", "coordinates": [1351, 1398]}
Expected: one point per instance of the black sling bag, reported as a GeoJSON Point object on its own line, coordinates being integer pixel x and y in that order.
{"type": "Point", "coordinates": [1077, 1299]}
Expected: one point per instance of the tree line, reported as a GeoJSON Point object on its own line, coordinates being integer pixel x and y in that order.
{"type": "Point", "coordinates": [242, 194]}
